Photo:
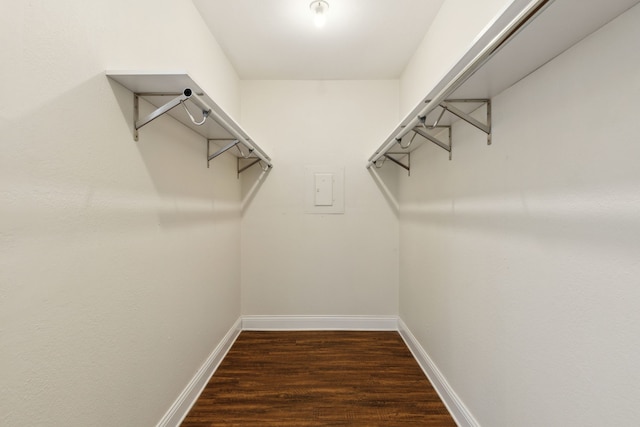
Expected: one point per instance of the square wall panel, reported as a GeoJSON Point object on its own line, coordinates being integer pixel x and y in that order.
{"type": "Point", "coordinates": [324, 190]}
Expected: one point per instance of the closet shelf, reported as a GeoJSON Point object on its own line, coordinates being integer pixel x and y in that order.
{"type": "Point", "coordinates": [179, 96]}
{"type": "Point", "coordinates": [510, 48]}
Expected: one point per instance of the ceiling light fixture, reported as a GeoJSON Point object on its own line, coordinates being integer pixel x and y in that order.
{"type": "Point", "coordinates": [319, 9]}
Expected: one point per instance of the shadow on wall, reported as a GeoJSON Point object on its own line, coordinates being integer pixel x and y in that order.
{"type": "Point", "coordinates": [543, 220]}
{"type": "Point", "coordinates": [175, 159]}
{"type": "Point", "coordinates": [387, 181]}
{"type": "Point", "coordinates": [250, 181]}
{"type": "Point", "coordinates": [81, 169]}
{"type": "Point", "coordinates": [519, 188]}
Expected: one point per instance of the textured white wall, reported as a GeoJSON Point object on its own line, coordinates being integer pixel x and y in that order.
{"type": "Point", "coordinates": [520, 262]}
{"type": "Point", "coordinates": [119, 261]}
{"type": "Point", "coordinates": [301, 264]}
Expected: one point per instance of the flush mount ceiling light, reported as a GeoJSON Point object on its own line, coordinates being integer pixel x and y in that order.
{"type": "Point", "coordinates": [319, 9]}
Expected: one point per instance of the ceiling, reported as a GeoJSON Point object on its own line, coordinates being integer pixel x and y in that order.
{"type": "Point", "coordinates": [277, 39]}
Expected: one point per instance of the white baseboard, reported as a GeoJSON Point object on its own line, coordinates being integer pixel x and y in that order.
{"type": "Point", "coordinates": [180, 408]}
{"type": "Point", "coordinates": [322, 323]}
{"type": "Point", "coordinates": [456, 407]}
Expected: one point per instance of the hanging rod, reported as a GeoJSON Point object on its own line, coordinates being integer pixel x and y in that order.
{"type": "Point", "coordinates": [207, 111]}
{"type": "Point", "coordinates": [186, 94]}
{"type": "Point", "coordinates": [252, 148]}
{"type": "Point", "coordinates": [467, 71]}
{"type": "Point", "coordinates": [252, 160]}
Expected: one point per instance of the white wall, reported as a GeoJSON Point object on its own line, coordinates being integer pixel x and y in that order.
{"type": "Point", "coordinates": [119, 261]}
{"type": "Point", "coordinates": [520, 262]}
{"type": "Point", "coordinates": [307, 264]}
{"type": "Point", "coordinates": [452, 32]}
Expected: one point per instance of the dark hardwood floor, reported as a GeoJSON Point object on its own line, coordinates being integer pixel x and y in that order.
{"type": "Point", "coordinates": [319, 378]}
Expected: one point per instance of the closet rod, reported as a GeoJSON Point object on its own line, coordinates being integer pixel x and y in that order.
{"type": "Point", "coordinates": [222, 122]}
{"type": "Point", "coordinates": [207, 111]}
{"type": "Point", "coordinates": [478, 61]}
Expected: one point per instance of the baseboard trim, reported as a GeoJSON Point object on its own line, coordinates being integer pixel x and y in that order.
{"type": "Point", "coordinates": [456, 407]}
{"type": "Point", "coordinates": [322, 323]}
{"type": "Point", "coordinates": [181, 407]}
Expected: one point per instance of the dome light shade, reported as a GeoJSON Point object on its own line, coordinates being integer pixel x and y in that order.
{"type": "Point", "coordinates": [319, 9]}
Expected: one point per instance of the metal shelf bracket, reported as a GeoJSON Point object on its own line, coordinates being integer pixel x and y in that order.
{"type": "Point", "coordinates": [388, 156]}
{"type": "Point", "coordinates": [179, 98]}
{"type": "Point", "coordinates": [211, 156]}
{"type": "Point", "coordinates": [422, 131]}
{"type": "Point", "coordinates": [488, 44]}
{"type": "Point", "coordinates": [484, 127]}
{"type": "Point", "coordinates": [244, 162]}
{"type": "Point", "coordinates": [167, 90]}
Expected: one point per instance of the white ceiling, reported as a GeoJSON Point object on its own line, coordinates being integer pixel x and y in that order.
{"type": "Point", "coordinates": [277, 39]}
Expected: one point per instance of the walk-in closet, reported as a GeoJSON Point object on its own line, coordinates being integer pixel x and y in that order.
{"type": "Point", "coordinates": [328, 212]}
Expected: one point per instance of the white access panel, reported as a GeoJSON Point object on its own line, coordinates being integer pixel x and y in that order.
{"type": "Point", "coordinates": [324, 190]}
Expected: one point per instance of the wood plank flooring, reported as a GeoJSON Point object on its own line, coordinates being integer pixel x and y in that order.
{"type": "Point", "coordinates": [319, 378]}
